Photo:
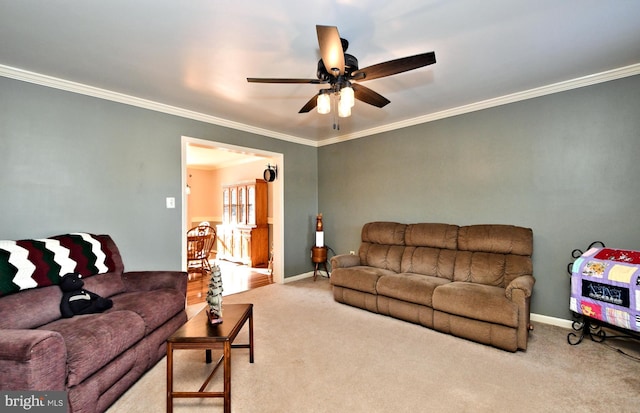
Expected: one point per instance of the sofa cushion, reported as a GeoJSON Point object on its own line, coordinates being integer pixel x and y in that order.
{"type": "Point", "coordinates": [490, 269]}
{"type": "Point", "coordinates": [476, 301]}
{"type": "Point", "coordinates": [105, 285]}
{"type": "Point", "coordinates": [432, 235]}
{"type": "Point", "coordinates": [358, 278]}
{"type": "Point", "coordinates": [435, 262]}
{"type": "Point", "coordinates": [388, 257]}
{"type": "Point", "coordinates": [17, 310]}
{"type": "Point", "coordinates": [413, 288]}
{"type": "Point", "coordinates": [499, 239]}
{"type": "Point", "coordinates": [390, 233]}
{"type": "Point", "coordinates": [94, 340]}
{"type": "Point", "coordinates": [148, 303]}
{"type": "Point", "coordinates": [481, 268]}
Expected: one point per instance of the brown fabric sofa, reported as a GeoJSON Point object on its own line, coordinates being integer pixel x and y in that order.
{"type": "Point", "coordinates": [95, 357]}
{"type": "Point", "coordinates": [472, 281]}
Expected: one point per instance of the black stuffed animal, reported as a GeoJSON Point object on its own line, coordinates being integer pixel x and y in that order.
{"type": "Point", "coordinates": [76, 301]}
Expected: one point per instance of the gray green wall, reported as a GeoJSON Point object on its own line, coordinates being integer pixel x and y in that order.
{"type": "Point", "coordinates": [69, 163]}
{"type": "Point", "coordinates": [566, 165]}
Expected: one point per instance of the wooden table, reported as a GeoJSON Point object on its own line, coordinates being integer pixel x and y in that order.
{"type": "Point", "coordinates": [319, 256]}
{"type": "Point", "coordinates": [199, 334]}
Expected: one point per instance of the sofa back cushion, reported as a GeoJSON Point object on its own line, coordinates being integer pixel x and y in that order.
{"type": "Point", "coordinates": [435, 262]}
{"type": "Point", "coordinates": [389, 233]}
{"type": "Point", "coordinates": [38, 306]}
{"type": "Point", "coordinates": [31, 308]}
{"type": "Point", "coordinates": [430, 249]}
{"type": "Point", "coordinates": [105, 285]}
{"type": "Point", "coordinates": [36, 263]}
{"type": "Point", "coordinates": [500, 239]}
{"type": "Point", "coordinates": [493, 254]}
{"type": "Point", "coordinates": [382, 245]}
{"type": "Point", "coordinates": [432, 235]}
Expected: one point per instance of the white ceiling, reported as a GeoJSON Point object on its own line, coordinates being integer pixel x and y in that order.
{"type": "Point", "coordinates": [192, 57]}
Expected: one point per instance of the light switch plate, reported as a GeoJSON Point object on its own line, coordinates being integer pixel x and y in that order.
{"type": "Point", "coordinates": [171, 202]}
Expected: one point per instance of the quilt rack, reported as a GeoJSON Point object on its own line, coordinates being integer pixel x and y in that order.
{"type": "Point", "coordinates": [605, 293]}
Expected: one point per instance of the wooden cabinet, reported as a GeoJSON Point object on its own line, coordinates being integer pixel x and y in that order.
{"type": "Point", "coordinates": [244, 233]}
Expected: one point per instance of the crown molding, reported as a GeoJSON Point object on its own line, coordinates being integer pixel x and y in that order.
{"type": "Point", "coordinates": [49, 81]}
{"type": "Point", "coordinates": [66, 85]}
{"type": "Point", "coordinates": [490, 103]}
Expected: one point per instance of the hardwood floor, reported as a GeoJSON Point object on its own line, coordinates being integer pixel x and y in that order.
{"type": "Point", "coordinates": [235, 278]}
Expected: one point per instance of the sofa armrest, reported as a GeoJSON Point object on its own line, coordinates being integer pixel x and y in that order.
{"type": "Point", "coordinates": [524, 283]}
{"type": "Point", "coordinates": [32, 360]}
{"type": "Point", "coordinates": [153, 280]}
{"type": "Point", "coordinates": [344, 261]}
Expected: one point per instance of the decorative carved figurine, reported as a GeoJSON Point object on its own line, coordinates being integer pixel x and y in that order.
{"type": "Point", "coordinates": [214, 296]}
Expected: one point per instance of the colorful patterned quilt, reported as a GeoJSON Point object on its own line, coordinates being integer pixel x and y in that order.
{"type": "Point", "coordinates": [36, 263]}
{"type": "Point", "coordinates": [605, 285]}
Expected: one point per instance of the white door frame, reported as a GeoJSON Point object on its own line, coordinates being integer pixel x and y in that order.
{"type": "Point", "coordinates": [278, 201]}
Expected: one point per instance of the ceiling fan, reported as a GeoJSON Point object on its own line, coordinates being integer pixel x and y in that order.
{"type": "Point", "coordinates": [340, 71]}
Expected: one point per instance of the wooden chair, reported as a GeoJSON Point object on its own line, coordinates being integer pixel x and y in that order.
{"type": "Point", "coordinates": [200, 242]}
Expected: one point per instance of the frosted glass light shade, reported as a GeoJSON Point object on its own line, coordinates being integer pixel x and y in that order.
{"type": "Point", "coordinates": [344, 108]}
{"type": "Point", "coordinates": [346, 94]}
{"type": "Point", "coordinates": [324, 103]}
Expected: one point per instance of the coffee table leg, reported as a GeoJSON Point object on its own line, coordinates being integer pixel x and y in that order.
{"type": "Point", "coordinates": [227, 376]}
{"type": "Point", "coordinates": [169, 378]}
{"type": "Point", "coordinates": [251, 336]}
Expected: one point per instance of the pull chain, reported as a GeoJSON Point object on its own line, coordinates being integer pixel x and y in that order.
{"type": "Point", "coordinates": [334, 110]}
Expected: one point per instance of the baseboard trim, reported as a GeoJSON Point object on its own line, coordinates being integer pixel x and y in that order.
{"type": "Point", "coordinates": [298, 277]}
{"type": "Point", "coordinates": [545, 319]}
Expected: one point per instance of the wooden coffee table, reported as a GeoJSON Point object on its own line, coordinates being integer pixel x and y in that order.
{"type": "Point", "coordinates": [199, 334]}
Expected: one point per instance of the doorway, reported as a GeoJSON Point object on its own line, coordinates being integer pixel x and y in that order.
{"type": "Point", "coordinates": [223, 155]}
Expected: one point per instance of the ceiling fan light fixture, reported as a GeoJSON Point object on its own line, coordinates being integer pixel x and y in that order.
{"type": "Point", "coordinates": [339, 69]}
{"type": "Point", "coordinates": [324, 103]}
{"type": "Point", "coordinates": [346, 95]}
{"type": "Point", "coordinates": [344, 108]}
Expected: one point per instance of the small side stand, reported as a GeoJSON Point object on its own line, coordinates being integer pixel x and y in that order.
{"type": "Point", "coordinates": [589, 327]}
{"type": "Point", "coordinates": [319, 256]}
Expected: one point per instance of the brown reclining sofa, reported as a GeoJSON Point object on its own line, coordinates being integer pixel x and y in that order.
{"type": "Point", "coordinates": [471, 281]}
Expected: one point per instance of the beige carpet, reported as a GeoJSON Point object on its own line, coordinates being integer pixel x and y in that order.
{"type": "Point", "coordinates": [315, 355]}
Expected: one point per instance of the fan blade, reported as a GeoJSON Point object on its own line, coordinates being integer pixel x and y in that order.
{"type": "Point", "coordinates": [271, 80]}
{"type": "Point", "coordinates": [312, 103]}
{"type": "Point", "coordinates": [393, 67]}
{"type": "Point", "coordinates": [331, 48]}
{"type": "Point", "coordinates": [367, 95]}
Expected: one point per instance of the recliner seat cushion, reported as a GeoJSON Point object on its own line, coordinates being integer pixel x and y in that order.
{"type": "Point", "coordinates": [476, 301]}
{"type": "Point", "coordinates": [358, 278]}
{"type": "Point", "coordinates": [93, 340]}
{"type": "Point", "coordinates": [413, 288]}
